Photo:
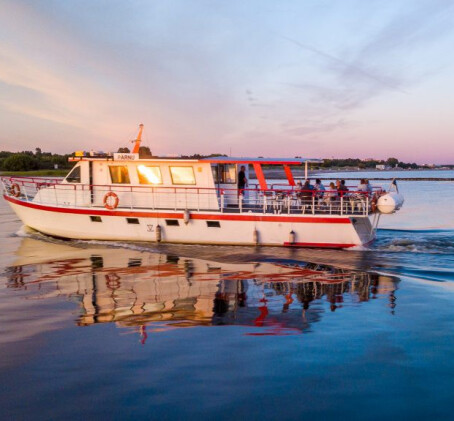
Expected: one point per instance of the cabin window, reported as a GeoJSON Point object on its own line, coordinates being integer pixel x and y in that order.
{"type": "Point", "coordinates": [182, 175]}
{"type": "Point", "coordinates": [224, 174]}
{"type": "Point", "coordinates": [95, 218]}
{"type": "Point", "coordinates": [149, 175]}
{"type": "Point", "coordinates": [134, 262]}
{"type": "Point", "coordinates": [172, 222]}
{"type": "Point", "coordinates": [132, 220]}
{"type": "Point", "coordinates": [119, 174]}
{"type": "Point", "coordinates": [74, 175]}
{"type": "Point", "coordinates": [213, 224]}
{"type": "Point", "coordinates": [96, 262]}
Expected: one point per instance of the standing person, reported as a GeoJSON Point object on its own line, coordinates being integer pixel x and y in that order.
{"type": "Point", "coordinates": [242, 180]}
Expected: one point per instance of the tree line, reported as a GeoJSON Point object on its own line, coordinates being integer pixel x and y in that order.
{"type": "Point", "coordinates": [369, 163]}
{"type": "Point", "coordinates": [38, 160]}
{"type": "Point", "coordinates": [28, 161]}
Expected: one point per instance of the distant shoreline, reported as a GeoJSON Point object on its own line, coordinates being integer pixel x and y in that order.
{"type": "Point", "coordinates": [278, 174]}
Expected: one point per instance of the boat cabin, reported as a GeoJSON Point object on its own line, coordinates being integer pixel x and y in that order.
{"type": "Point", "coordinates": [171, 183]}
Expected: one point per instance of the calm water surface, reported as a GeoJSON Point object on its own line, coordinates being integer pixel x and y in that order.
{"type": "Point", "coordinates": [122, 331]}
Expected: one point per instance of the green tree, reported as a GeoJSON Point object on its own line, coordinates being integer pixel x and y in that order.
{"type": "Point", "coordinates": [144, 152]}
{"type": "Point", "coordinates": [392, 162]}
{"type": "Point", "coordinates": [20, 162]}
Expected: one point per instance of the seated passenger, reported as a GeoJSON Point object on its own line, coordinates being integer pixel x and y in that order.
{"type": "Point", "coordinates": [362, 187]}
{"type": "Point", "coordinates": [330, 195]}
{"type": "Point", "coordinates": [299, 186]}
{"type": "Point", "coordinates": [341, 187]}
{"type": "Point", "coordinates": [319, 187]}
{"type": "Point", "coordinates": [307, 189]}
{"type": "Point", "coordinates": [358, 197]}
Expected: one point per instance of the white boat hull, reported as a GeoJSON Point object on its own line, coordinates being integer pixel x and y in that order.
{"type": "Point", "coordinates": [203, 227]}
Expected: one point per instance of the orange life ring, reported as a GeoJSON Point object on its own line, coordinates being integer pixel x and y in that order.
{"type": "Point", "coordinates": [14, 190]}
{"type": "Point", "coordinates": [111, 200]}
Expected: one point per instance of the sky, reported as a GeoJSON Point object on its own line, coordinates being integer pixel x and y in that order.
{"type": "Point", "coordinates": [311, 78]}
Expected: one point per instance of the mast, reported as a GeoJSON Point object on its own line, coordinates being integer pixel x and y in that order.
{"type": "Point", "coordinates": [138, 140]}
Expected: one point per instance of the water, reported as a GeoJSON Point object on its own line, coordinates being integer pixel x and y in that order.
{"type": "Point", "coordinates": [121, 331]}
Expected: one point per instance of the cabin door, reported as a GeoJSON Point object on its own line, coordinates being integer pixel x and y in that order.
{"type": "Point", "coordinates": [225, 178]}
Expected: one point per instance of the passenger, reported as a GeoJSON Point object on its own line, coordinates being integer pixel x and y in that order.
{"type": "Point", "coordinates": [368, 186]}
{"type": "Point", "coordinates": [306, 193]}
{"type": "Point", "coordinates": [320, 188]}
{"type": "Point", "coordinates": [308, 185]}
{"type": "Point", "coordinates": [242, 180]}
{"type": "Point", "coordinates": [357, 199]}
{"type": "Point", "coordinates": [341, 187]}
{"type": "Point", "coordinates": [307, 189]}
{"type": "Point", "coordinates": [331, 195]}
{"type": "Point", "coordinates": [362, 187]}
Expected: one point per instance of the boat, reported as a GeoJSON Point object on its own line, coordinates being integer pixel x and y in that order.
{"type": "Point", "coordinates": [126, 197]}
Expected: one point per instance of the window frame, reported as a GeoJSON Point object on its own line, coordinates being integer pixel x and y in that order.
{"type": "Point", "coordinates": [150, 184]}
{"type": "Point", "coordinates": [219, 172]}
{"type": "Point", "coordinates": [76, 168]}
{"type": "Point", "coordinates": [183, 184]}
{"type": "Point", "coordinates": [120, 166]}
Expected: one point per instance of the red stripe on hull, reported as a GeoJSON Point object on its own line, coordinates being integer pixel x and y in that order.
{"type": "Point", "coordinates": [206, 217]}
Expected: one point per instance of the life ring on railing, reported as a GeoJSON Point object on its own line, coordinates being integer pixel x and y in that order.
{"type": "Point", "coordinates": [14, 190]}
{"type": "Point", "coordinates": [111, 200]}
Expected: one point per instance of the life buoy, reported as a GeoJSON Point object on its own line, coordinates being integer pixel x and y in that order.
{"type": "Point", "coordinates": [14, 190]}
{"type": "Point", "coordinates": [112, 281]}
{"type": "Point", "coordinates": [110, 200]}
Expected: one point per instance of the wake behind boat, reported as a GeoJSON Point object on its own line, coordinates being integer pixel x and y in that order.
{"type": "Point", "coordinates": [122, 196]}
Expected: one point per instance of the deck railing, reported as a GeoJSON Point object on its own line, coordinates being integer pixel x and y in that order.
{"type": "Point", "coordinates": [282, 200]}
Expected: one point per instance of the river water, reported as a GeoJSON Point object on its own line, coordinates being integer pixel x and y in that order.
{"type": "Point", "coordinates": [122, 331]}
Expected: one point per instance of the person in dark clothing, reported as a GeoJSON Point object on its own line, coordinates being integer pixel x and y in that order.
{"type": "Point", "coordinates": [341, 187]}
{"type": "Point", "coordinates": [242, 180]}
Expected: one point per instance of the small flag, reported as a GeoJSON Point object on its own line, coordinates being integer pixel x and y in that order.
{"type": "Point", "coordinates": [394, 183]}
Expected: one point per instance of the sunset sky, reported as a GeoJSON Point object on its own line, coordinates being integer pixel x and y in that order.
{"type": "Point", "coordinates": [314, 78]}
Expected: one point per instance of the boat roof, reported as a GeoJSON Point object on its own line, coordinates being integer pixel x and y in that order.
{"type": "Point", "coordinates": [211, 160]}
{"type": "Point", "coordinates": [261, 160]}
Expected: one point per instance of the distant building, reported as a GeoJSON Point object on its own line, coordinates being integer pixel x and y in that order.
{"type": "Point", "coordinates": [380, 167]}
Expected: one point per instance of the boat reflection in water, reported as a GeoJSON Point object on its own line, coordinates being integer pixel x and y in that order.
{"type": "Point", "coordinates": [152, 292]}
